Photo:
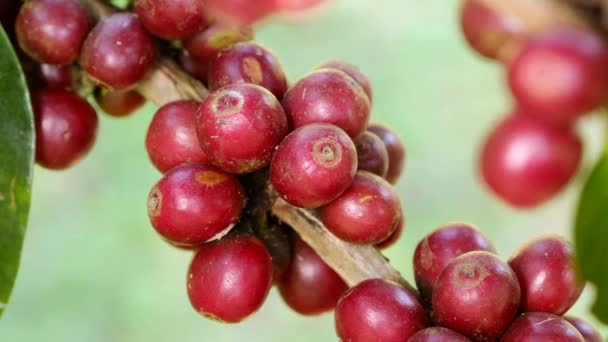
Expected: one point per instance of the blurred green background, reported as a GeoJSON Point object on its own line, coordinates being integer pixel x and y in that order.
{"type": "Point", "coordinates": [94, 270]}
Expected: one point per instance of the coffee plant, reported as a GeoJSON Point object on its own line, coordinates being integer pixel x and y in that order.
{"type": "Point", "coordinates": [291, 184]}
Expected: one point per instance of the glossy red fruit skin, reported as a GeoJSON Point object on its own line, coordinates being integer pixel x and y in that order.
{"type": "Point", "coordinates": [206, 45]}
{"type": "Point", "coordinates": [589, 333]}
{"type": "Point", "coordinates": [229, 279]}
{"type": "Point", "coordinates": [239, 127]}
{"type": "Point", "coordinates": [328, 96]}
{"type": "Point", "coordinates": [105, 56]}
{"type": "Point", "coordinates": [172, 19]}
{"type": "Point", "coordinates": [547, 275]}
{"type": "Point", "coordinates": [195, 203]}
{"type": "Point", "coordinates": [368, 212]}
{"type": "Point", "coordinates": [435, 251]}
{"type": "Point", "coordinates": [248, 62]}
{"type": "Point", "coordinates": [309, 286]}
{"type": "Point", "coordinates": [314, 165]}
{"type": "Point", "coordinates": [535, 326]}
{"type": "Point", "coordinates": [438, 334]}
{"type": "Point", "coordinates": [379, 310]}
{"type": "Point", "coordinates": [526, 162]}
{"type": "Point", "coordinates": [52, 31]}
{"type": "Point", "coordinates": [66, 128]}
{"type": "Point", "coordinates": [372, 154]}
{"type": "Point", "coordinates": [239, 12]}
{"type": "Point", "coordinates": [477, 295]}
{"type": "Point", "coordinates": [396, 150]}
{"type": "Point", "coordinates": [171, 139]}
{"type": "Point", "coordinates": [352, 71]}
{"type": "Point", "coordinates": [561, 75]}
{"type": "Point", "coordinates": [395, 235]}
{"type": "Point", "coordinates": [56, 76]}
{"type": "Point", "coordinates": [119, 103]}
{"type": "Point", "coordinates": [488, 31]}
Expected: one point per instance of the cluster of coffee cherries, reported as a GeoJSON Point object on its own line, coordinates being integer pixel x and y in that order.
{"type": "Point", "coordinates": [555, 78]}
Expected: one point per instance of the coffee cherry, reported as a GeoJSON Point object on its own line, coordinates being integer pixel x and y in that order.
{"type": "Point", "coordinates": [172, 139]}
{"type": "Point", "coordinates": [195, 203]}
{"type": "Point", "coordinates": [351, 71]}
{"type": "Point", "coordinates": [239, 127]}
{"type": "Point", "coordinates": [240, 12]}
{"type": "Point", "coordinates": [590, 334]}
{"type": "Point", "coordinates": [526, 162]}
{"type": "Point", "coordinates": [52, 31]}
{"type": "Point", "coordinates": [366, 213]}
{"type": "Point", "coordinates": [477, 295]}
{"type": "Point", "coordinates": [229, 279]}
{"type": "Point", "coordinates": [309, 286]}
{"type": "Point", "coordinates": [379, 310]}
{"type": "Point", "coordinates": [487, 31]}
{"type": "Point", "coordinates": [171, 19]}
{"type": "Point", "coordinates": [56, 76]}
{"type": "Point", "coordinates": [248, 62]}
{"type": "Point", "coordinates": [314, 165]}
{"type": "Point", "coordinates": [438, 334]}
{"type": "Point", "coordinates": [547, 275]}
{"type": "Point", "coordinates": [536, 326]}
{"type": "Point", "coordinates": [561, 75]}
{"type": "Point", "coordinates": [66, 128]}
{"type": "Point", "coordinates": [439, 248]}
{"type": "Point", "coordinates": [206, 45]}
{"type": "Point", "coordinates": [396, 150]}
{"type": "Point", "coordinates": [118, 52]}
{"type": "Point", "coordinates": [372, 154]}
{"type": "Point", "coordinates": [328, 96]}
{"type": "Point", "coordinates": [119, 103]}
{"type": "Point", "coordinates": [394, 237]}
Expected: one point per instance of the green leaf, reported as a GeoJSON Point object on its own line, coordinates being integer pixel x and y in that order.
{"type": "Point", "coordinates": [591, 235]}
{"type": "Point", "coordinates": [16, 164]}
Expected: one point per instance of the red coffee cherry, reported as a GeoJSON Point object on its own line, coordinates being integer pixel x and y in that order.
{"type": "Point", "coordinates": [172, 139]}
{"type": "Point", "coordinates": [195, 203]}
{"type": "Point", "coordinates": [352, 71]}
{"type": "Point", "coordinates": [526, 162]}
{"type": "Point", "coordinates": [590, 334]}
{"type": "Point", "coordinates": [536, 326]}
{"type": "Point", "coordinates": [372, 154]}
{"type": "Point", "coordinates": [248, 62]}
{"type": "Point", "coordinates": [52, 31]}
{"type": "Point", "coordinates": [547, 275]}
{"type": "Point", "coordinates": [66, 128]}
{"type": "Point", "coordinates": [105, 56]}
{"type": "Point", "coordinates": [438, 334]}
{"type": "Point", "coordinates": [328, 96]}
{"type": "Point", "coordinates": [309, 286]}
{"type": "Point", "coordinates": [239, 12]}
{"type": "Point", "coordinates": [229, 279]}
{"type": "Point", "coordinates": [239, 127]}
{"type": "Point", "coordinates": [477, 295]}
{"type": "Point", "coordinates": [396, 150]}
{"type": "Point", "coordinates": [314, 165]}
{"type": "Point", "coordinates": [172, 19]}
{"type": "Point", "coordinates": [441, 246]}
{"type": "Point", "coordinates": [379, 310]}
{"type": "Point", "coordinates": [206, 45]}
{"type": "Point", "coordinates": [119, 103]}
{"type": "Point", "coordinates": [366, 213]}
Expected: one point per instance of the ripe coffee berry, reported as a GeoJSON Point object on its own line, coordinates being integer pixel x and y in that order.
{"type": "Point", "coordinates": [66, 128]}
{"type": "Point", "coordinates": [248, 62]}
{"type": "Point", "coordinates": [207, 44]}
{"type": "Point", "coordinates": [547, 275]}
{"type": "Point", "coordinates": [366, 213]}
{"type": "Point", "coordinates": [437, 249]}
{"type": "Point", "coordinates": [229, 279]}
{"type": "Point", "coordinates": [438, 334]}
{"type": "Point", "coordinates": [372, 154]}
{"type": "Point", "coordinates": [477, 295]}
{"type": "Point", "coordinates": [52, 31]}
{"type": "Point", "coordinates": [353, 72]}
{"type": "Point", "coordinates": [561, 75]}
{"type": "Point", "coordinates": [309, 286]}
{"type": "Point", "coordinates": [172, 139]}
{"type": "Point", "coordinates": [240, 12]}
{"type": "Point", "coordinates": [535, 326]}
{"type": "Point", "coordinates": [118, 52]}
{"type": "Point", "coordinates": [314, 165]}
{"type": "Point", "coordinates": [396, 150]}
{"type": "Point", "coordinates": [195, 203]}
{"type": "Point", "coordinates": [394, 237]}
{"type": "Point", "coordinates": [379, 310]}
{"type": "Point", "coordinates": [172, 19]}
{"type": "Point", "coordinates": [590, 334]}
{"type": "Point", "coordinates": [239, 126]}
{"type": "Point", "coordinates": [328, 96]}
{"type": "Point", "coordinates": [526, 162]}
{"type": "Point", "coordinates": [119, 103]}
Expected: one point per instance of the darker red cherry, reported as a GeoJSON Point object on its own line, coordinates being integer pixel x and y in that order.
{"type": "Point", "coordinates": [119, 103]}
{"type": "Point", "coordinates": [172, 19]}
{"type": "Point", "coordinates": [536, 326]}
{"type": "Point", "coordinates": [351, 71]}
{"type": "Point", "coordinates": [396, 150]}
{"type": "Point", "coordinates": [372, 154]}
{"type": "Point", "coordinates": [438, 334]}
{"type": "Point", "coordinates": [590, 334]}
{"type": "Point", "coordinates": [394, 237]}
